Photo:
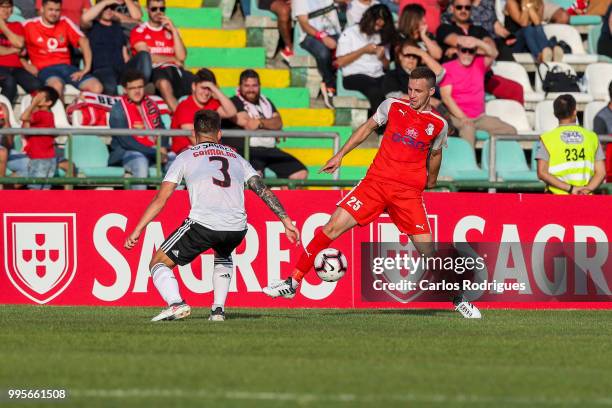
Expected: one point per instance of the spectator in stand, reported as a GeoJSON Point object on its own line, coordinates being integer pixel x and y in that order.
{"type": "Point", "coordinates": [40, 149]}
{"type": "Point", "coordinates": [461, 29]}
{"type": "Point", "coordinates": [484, 14]}
{"type": "Point", "coordinates": [12, 70]}
{"type": "Point", "coordinates": [204, 96]}
{"type": "Point", "coordinates": [109, 46]}
{"type": "Point", "coordinates": [602, 125]}
{"type": "Point", "coordinates": [256, 112]}
{"type": "Point", "coordinates": [162, 40]}
{"type": "Point", "coordinates": [47, 39]}
{"type": "Point", "coordinates": [604, 44]}
{"type": "Point", "coordinates": [409, 56]}
{"type": "Point", "coordinates": [570, 158]}
{"type": "Point", "coordinates": [524, 20]}
{"type": "Point", "coordinates": [463, 93]}
{"type": "Point", "coordinates": [432, 16]}
{"type": "Point", "coordinates": [128, 14]}
{"type": "Point", "coordinates": [135, 111]}
{"type": "Point", "coordinates": [319, 37]}
{"type": "Point", "coordinates": [72, 9]}
{"type": "Point", "coordinates": [363, 54]}
{"type": "Point", "coordinates": [282, 9]}
{"type": "Point", "coordinates": [355, 10]}
{"type": "Point", "coordinates": [4, 145]}
{"type": "Point", "coordinates": [413, 25]}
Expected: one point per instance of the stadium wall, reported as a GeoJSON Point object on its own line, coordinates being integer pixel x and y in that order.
{"type": "Point", "coordinates": [66, 248]}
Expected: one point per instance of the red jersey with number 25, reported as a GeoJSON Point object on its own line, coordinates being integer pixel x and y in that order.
{"type": "Point", "coordinates": [408, 139]}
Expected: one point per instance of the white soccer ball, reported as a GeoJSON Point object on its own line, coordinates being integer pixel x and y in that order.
{"type": "Point", "coordinates": [330, 264]}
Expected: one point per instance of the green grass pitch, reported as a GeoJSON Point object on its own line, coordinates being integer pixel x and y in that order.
{"type": "Point", "coordinates": [115, 357]}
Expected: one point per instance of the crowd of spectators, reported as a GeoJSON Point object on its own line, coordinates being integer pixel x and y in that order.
{"type": "Point", "coordinates": [371, 46]}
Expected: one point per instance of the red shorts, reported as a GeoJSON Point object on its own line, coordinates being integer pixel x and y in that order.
{"type": "Point", "coordinates": [370, 198]}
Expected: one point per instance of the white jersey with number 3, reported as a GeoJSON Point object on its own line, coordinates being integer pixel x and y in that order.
{"type": "Point", "coordinates": [215, 175]}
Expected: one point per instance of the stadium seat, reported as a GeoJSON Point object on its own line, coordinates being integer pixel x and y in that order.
{"type": "Point", "coordinates": [585, 19]}
{"type": "Point", "coordinates": [510, 112]}
{"type": "Point", "coordinates": [517, 72]}
{"type": "Point", "coordinates": [590, 111]}
{"type": "Point", "coordinates": [597, 77]}
{"type": "Point", "coordinates": [543, 69]}
{"type": "Point", "coordinates": [281, 97]}
{"type": "Point", "coordinates": [12, 120]}
{"type": "Point", "coordinates": [534, 162]}
{"type": "Point", "coordinates": [202, 17]}
{"type": "Point", "coordinates": [569, 34]}
{"type": "Point", "coordinates": [459, 162]}
{"type": "Point", "coordinates": [341, 91]}
{"type": "Point", "coordinates": [257, 12]}
{"type": "Point", "coordinates": [249, 57]}
{"type": "Point", "coordinates": [90, 155]}
{"type": "Point", "coordinates": [510, 162]}
{"type": "Point", "coordinates": [545, 119]}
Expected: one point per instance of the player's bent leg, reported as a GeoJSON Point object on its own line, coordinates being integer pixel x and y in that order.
{"type": "Point", "coordinates": [167, 286]}
{"type": "Point", "coordinates": [340, 222]}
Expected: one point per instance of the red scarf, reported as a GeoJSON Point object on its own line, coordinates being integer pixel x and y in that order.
{"type": "Point", "coordinates": [151, 119]}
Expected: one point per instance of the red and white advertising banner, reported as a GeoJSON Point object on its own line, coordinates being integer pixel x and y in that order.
{"type": "Point", "coordinates": [66, 248]}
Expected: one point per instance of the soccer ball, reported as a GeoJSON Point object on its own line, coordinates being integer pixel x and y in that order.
{"type": "Point", "coordinates": [330, 264]}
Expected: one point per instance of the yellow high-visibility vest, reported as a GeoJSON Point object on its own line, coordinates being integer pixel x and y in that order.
{"type": "Point", "coordinates": [572, 152]}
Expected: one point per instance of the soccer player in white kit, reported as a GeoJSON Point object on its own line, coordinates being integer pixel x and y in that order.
{"type": "Point", "coordinates": [215, 176]}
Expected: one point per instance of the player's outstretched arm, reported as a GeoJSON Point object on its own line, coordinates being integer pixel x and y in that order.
{"type": "Point", "coordinates": [154, 208]}
{"type": "Point", "coordinates": [256, 184]}
{"type": "Point", "coordinates": [433, 168]}
{"type": "Point", "coordinates": [357, 138]}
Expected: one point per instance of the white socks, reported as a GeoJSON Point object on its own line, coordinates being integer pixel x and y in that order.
{"type": "Point", "coordinates": [166, 283]}
{"type": "Point", "coordinates": [222, 276]}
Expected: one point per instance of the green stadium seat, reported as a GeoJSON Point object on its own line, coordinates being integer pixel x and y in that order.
{"type": "Point", "coordinates": [280, 97]}
{"type": "Point", "coordinates": [341, 91]}
{"type": "Point", "coordinates": [511, 164]}
{"type": "Point", "coordinates": [346, 173]}
{"type": "Point", "coordinates": [585, 20]}
{"type": "Point", "coordinates": [593, 37]}
{"type": "Point", "coordinates": [534, 162]}
{"type": "Point", "coordinates": [563, 3]}
{"type": "Point", "coordinates": [459, 161]}
{"type": "Point", "coordinates": [251, 57]}
{"type": "Point", "coordinates": [194, 17]}
{"type": "Point", "coordinates": [90, 155]}
{"type": "Point", "coordinates": [257, 12]}
{"type": "Point", "coordinates": [482, 135]}
{"type": "Point", "coordinates": [343, 131]}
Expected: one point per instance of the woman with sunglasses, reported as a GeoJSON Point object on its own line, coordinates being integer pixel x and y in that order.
{"type": "Point", "coordinates": [409, 56]}
{"type": "Point", "coordinates": [363, 54]}
{"type": "Point", "coordinates": [524, 19]}
{"type": "Point", "coordinates": [413, 25]}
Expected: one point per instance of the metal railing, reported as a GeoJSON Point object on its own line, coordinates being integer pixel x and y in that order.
{"type": "Point", "coordinates": [69, 132]}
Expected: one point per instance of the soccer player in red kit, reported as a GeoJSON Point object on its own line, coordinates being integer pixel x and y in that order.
{"type": "Point", "coordinates": [407, 161]}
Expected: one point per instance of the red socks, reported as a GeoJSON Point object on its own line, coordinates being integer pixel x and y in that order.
{"type": "Point", "coordinates": [318, 243]}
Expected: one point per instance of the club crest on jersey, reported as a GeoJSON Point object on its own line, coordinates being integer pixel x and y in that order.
{"type": "Point", "coordinates": [168, 35]}
{"type": "Point", "coordinates": [430, 129]}
{"type": "Point", "coordinates": [40, 255]}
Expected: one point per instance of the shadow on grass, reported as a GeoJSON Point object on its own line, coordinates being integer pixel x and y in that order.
{"type": "Point", "coordinates": [399, 312]}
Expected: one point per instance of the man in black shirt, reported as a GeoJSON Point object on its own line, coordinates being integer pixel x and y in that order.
{"type": "Point", "coordinates": [109, 46]}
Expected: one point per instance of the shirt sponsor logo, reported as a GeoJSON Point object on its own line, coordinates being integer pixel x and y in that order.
{"type": "Point", "coordinates": [409, 138]}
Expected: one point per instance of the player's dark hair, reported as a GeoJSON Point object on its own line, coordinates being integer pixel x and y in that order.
{"type": "Point", "coordinates": [424, 73]}
{"type": "Point", "coordinates": [51, 1]}
{"type": "Point", "coordinates": [131, 75]}
{"type": "Point", "coordinates": [205, 75]}
{"type": "Point", "coordinates": [368, 21]}
{"type": "Point", "coordinates": [249, 73]}
{"type": "Point", "coordinates": [564, 106]}
{"type": "Point", "coordinates": [50, 93]}
{"type": "Point", "coordinates": [207, 122]}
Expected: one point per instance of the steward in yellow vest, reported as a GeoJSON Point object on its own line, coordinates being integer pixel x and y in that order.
{"type": "Point", "coordinates": [570, 158]}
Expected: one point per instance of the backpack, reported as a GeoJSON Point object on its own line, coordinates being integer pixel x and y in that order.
{"type": "Point", "coordinates": [558, 80]}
